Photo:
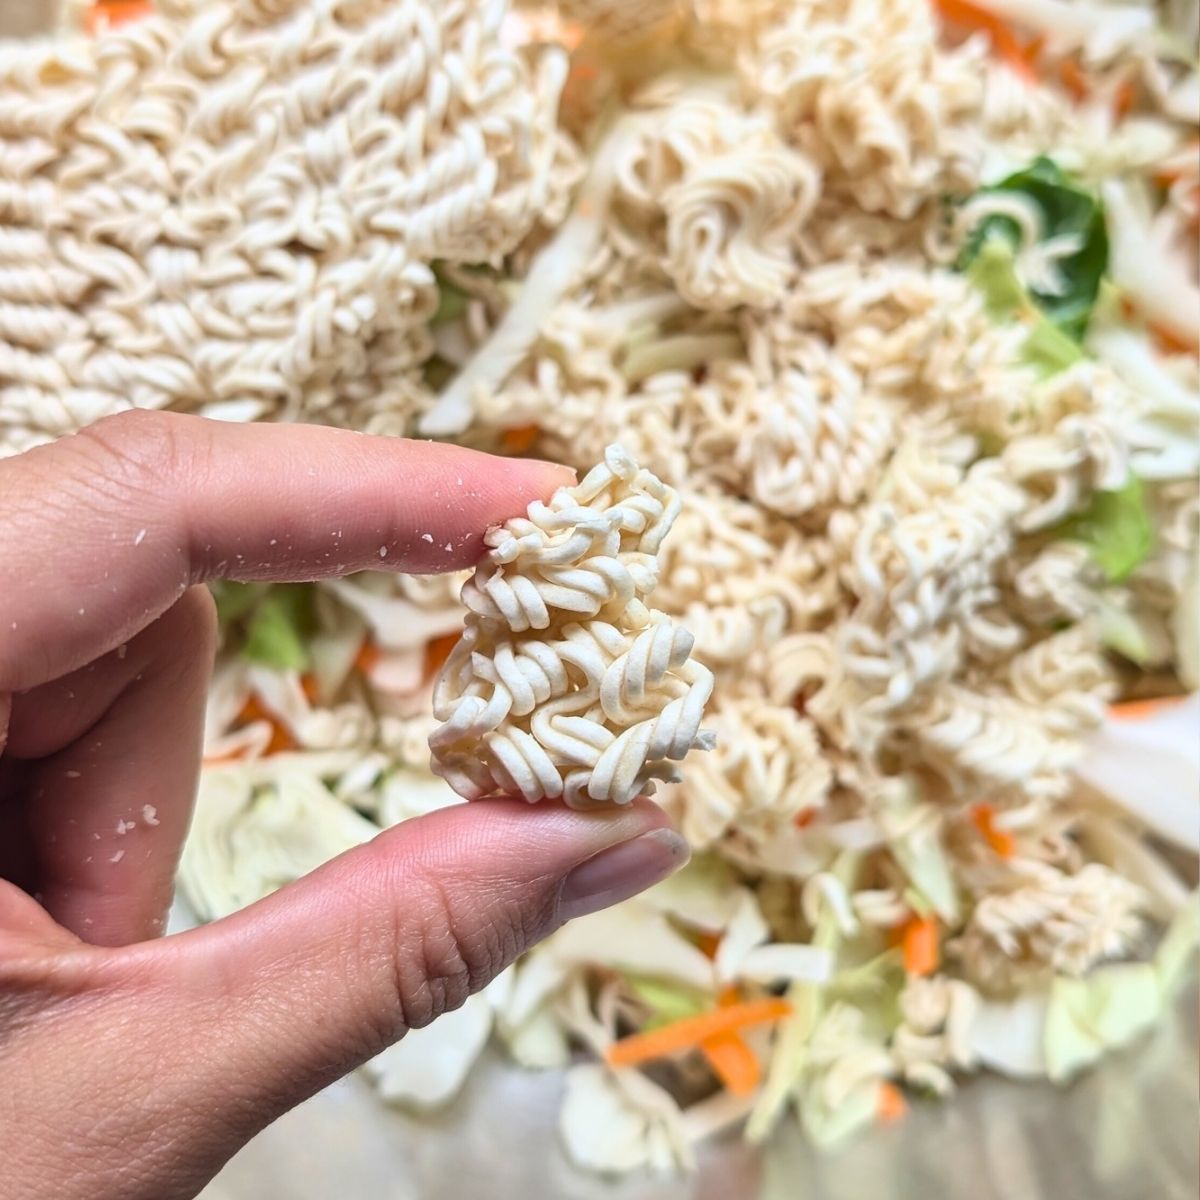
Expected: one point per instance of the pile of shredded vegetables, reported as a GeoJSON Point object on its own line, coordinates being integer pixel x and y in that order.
{"type": "Point", "coordinates": [902, 298]}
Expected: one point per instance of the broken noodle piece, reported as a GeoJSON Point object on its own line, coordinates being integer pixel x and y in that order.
{"type": "Point", "coordinates": [565, 683]}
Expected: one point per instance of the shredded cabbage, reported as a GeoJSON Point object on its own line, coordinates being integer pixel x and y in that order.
{"type": "Point", "coordinates": [1071, 247]}
{"type": "Point", "coordinates": [275, 623]}
{"type": "Point", "coordinates": [1116, 529]}
{"type": "Point", "coordinates": [789, 1056]}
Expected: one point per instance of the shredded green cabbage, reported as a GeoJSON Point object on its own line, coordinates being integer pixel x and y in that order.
{"type": "Point", "coordinates": [236, 600]}
{"type": "Point", "coordinates": [829, 1125]}
{"type": "Point", "coordinates": [916, 845]}
{"type": "Point", "coordinates": [1116, 528]}
{"type": "Point", "coordinates": [1104, 1011]}
{"type": "Point", "coordinates": [1122, 633]}
{"type": "Point", "coordinates": [452, 303]}
{"type": "Point", "coordinates": [1047, 348]}
{"type": "Point", "coordinates": [1176, 954]}
{"type": "Point", "coordinates": [667, 999]}
{"type": "Point", "coordinates": [1067, 211]}
{"type": "Point", "coordinates": [790, 1053]}
{"type": "Point", "coordinates": [1115, 1003]}
{"type": "Point", "coordinates": [275, 622]}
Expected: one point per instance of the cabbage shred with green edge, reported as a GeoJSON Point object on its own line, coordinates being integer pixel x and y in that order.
{"type": "Point", "coordinates": [274, 621]}
{"type": "Point", "coordinates": [1116, 529]}
{"type": "Point", "coordinates": [1066, 209]}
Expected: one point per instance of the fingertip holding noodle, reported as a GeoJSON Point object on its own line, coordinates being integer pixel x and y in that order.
{"type": "Point", "coordinates": [565, 684]}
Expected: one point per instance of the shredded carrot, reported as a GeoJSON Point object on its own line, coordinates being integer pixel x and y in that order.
{"type": "Point", "coordinates": [707, 943]}
{"type": "Point", "coordinates": [437, 651]}
{"type": "Point", "coordinates": [805, 819]}
{"type": "Point", "coordinates": [310, 687]}
{"type": "Point", "coordinates": [1031, 56]}
{"type": "Point", "coordinates": [1124, 99]}
{"type": "Point", "coordinates": [692, 1031]}
{"type": "Point", "coordinates": [1000, 840]}
{"type": "Point", "coordinates": [1166, 340]}
{"type": "Point", "coordinates": [890, 1104]}
{"type": "Point", "coordinates": [1169, 342]}
{"type": "Point", "coordinates": [1167, 175]}
{"type": "Point", "coordinates": [367, 657]}
{"type": "Point", "coordinates": [110, 14]}
{"type": "Point", "coordinates": [252, 711]}
{"type": "Point", "coordinates": [281, 739]}
{"type": "Point", "coordinates": [1142, 710]}
{"type": "Point", "coordinates": [1073, 79]}
{"type": "Point", "coordinates": [519, 439]}
{"type": "Point", "coordinates": [920, 946]}
{"type": "Point", "coordinates": [733, 1062]}
{"type": "Point", "coordinates": [1020, 58]}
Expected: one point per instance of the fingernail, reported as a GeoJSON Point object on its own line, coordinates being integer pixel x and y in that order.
{"type": "Point", "coordinates": [621, 871]}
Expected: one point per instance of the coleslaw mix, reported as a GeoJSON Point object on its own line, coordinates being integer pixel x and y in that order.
{"type": "Point", "coordinates": [900, 299]}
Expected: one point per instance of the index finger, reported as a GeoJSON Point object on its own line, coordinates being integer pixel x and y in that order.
{"type": "Point", "coordinates": [105, 530]}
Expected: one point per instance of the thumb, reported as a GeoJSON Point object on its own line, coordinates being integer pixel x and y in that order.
{"type": "Point", "coordinates": [312, 981]}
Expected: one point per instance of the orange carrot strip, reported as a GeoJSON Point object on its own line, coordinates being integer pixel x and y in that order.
{"type": "Point", "coordinates": [920, 946]}
{"type": "Point", "coordinates": [1141, 710]}
{"type": "Point", "coordinates": [310, 687]}
{"type": "Point", "coordinates": [733, 1062]}
{"type": "Point", "coordinates": [1165, 339]}
{"type": "Point", "coordinates": [252, 710]}
{"type": "Point", "coordinates": [890, 1104]}
{"type": "Point", "coordinates": [1073, 79]}
{"type": "Point", "coordinates": [1167, 175]}
{"type": "Point", "coordinates": [1000, 840]}
{"type": "Point", "coordinates": [110, 14]}
{"type": "Point", "coordinates": [519, 439]}
{"type": "Point", "coordinates": [1030, 55]}
{"type": "Point", "coordinates": [1124, 99]}
{"type": "Point", "coordinates": [805, 818]}
{"type": "Point", "coordinates": [1021, 59]}
{"type": "Point", "coordinates": [281, 739]}
{"type": "Point", "coordinates": [437, 651]}
{"type": "Point", "coordinates": [367, 657]}
{"type": "Point", "coordinates": [691, 1031]}
{"type": "Point", "coordinates": [1169, 342]}
{"type": "Point", "coordinates": [707, 943]}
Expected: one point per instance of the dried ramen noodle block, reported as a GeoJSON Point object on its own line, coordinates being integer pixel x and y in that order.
{"type": "Point", "coordinates": [565, 683]}
{"type": "Point", "coordinates": [231, 207]}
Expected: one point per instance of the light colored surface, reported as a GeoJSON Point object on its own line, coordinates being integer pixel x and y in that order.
{"type": "Point", "coordinates": [1124, 1132]}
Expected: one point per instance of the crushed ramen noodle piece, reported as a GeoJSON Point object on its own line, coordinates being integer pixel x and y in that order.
{"type": "Point", "coordinates": [232, 208]}
{"type": "Point", "coordinates": [565, 683]}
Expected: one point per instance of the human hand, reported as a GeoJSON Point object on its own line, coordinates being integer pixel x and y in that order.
{"type": "Point", "coordinates": [132, 1067]}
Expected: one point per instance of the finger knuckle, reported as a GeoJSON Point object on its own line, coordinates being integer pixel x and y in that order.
{"type": "Point", "coordinates": [138, 439]}
{"type": "Point", "coordinates": [449, 954]}
{"type": "Point", "coordinates": [142, 451]}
